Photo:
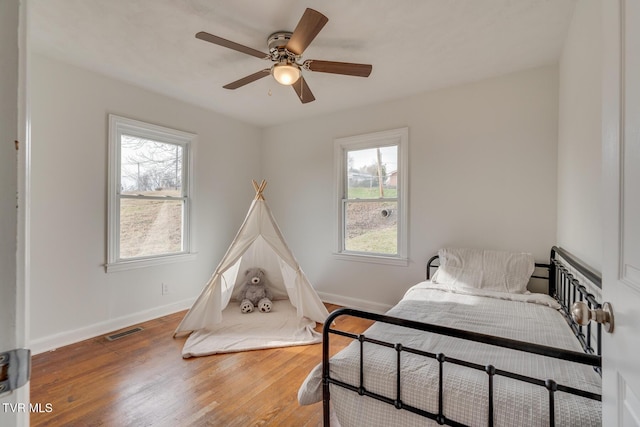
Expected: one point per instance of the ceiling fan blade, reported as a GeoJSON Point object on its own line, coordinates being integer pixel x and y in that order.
{"type": "Point", "coordinates": [231, 45]}
{"type": "Point", "coordinates": [307, 29]}
{"type": "Point", "coordinates": [302, 89]}
{"type": "Point", "coordinates": [249, 79]}
{"type": "Point", "coordinates": [347, 68]}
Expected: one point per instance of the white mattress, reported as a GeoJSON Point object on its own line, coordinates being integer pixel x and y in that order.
{"type": "Point", "coordinates": [532, 318]}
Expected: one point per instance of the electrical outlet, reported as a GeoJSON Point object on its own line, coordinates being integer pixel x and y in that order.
{"type": "Point", "coordinates": [165, 288]}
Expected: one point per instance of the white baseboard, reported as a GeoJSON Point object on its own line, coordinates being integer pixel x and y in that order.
{"type": "Point", "coordinates": [358, 303]}
{"type": "Point", "coordinates": [55, 341]}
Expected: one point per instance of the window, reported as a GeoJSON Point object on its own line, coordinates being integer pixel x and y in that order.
{"type": "Point", "coordinates": [150, 184]}
{"type": "Point", "coordinates": [372, 196]}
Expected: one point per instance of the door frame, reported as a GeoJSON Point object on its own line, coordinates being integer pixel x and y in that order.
{"type": "Point", "coordinates": [24, 200]}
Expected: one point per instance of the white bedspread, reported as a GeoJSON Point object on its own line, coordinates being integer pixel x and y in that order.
{"type": "Point", "coordinates": [525, 317]}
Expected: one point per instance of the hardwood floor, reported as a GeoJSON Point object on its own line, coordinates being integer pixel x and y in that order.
{"type": "Point", "coordinates": [142, 380]}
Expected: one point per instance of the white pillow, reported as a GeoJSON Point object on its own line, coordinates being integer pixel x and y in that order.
{"type": "Point", "coordinates": [458, 277]}
{"type": "Point", "coordinates": [485, 269]}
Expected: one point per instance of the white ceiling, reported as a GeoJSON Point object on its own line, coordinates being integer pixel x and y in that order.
{"type": "Point", "coordinates": [414, 46]}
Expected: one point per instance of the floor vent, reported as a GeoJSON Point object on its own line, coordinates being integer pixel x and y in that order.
{"type": "Point", "coordinates": [123, 334]}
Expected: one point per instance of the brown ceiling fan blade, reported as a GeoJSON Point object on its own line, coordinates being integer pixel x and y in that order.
{"type": "Point", "coordinates": [302, 90]}
{"type": "Point", "coordinates": [307, 29]}
{"type": "Point", "coordinates": [231, 45]}
{"type": "Point", "coordinates": [249, 79]}
{"type": "Point", "coordinates": [347, 68]}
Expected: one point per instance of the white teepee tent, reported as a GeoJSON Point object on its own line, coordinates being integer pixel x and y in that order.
{"type": "Point", "coordinates": [258, 243]}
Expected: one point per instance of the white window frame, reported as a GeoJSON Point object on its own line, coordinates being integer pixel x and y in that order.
{"type": "Point", "coordinates": [399, 137]}
{"type": "Point", "coordinates": [122, 125]}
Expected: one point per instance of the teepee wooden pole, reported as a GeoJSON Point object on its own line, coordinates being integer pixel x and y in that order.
{"type": "Point", "coordinates": [259, 188]}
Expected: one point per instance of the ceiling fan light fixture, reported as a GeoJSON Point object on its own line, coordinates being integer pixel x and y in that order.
{"type": "Point", "coordinates": [286, 73]}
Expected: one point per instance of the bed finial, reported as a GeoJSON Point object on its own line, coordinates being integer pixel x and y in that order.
{"type": "Point", "coordinates": [259, 188]}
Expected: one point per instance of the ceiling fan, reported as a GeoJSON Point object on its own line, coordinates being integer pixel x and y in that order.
{"type": "Point", "coordinates": [285, 51]}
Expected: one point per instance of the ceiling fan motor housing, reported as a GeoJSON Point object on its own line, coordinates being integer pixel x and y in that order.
{"type": "Point", "coordinates": [286, 71]}
{"type": "Point", "coordinates": [278, 40]}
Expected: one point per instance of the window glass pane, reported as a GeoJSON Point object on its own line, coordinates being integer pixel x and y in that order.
{"type": "Point", "coordinates": [150, 167]}
{"type": "Point", "coordinates": [371, 227]}
{"type": "Point", "coordinates": [372, 173]}
{"type": "Point", "coordinates": [150, 227]}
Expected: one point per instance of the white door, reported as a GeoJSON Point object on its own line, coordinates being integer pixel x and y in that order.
{"type": "Point", "coordinates": [13, 411]}
{"type": "Point", "coordinates": [621, 180]}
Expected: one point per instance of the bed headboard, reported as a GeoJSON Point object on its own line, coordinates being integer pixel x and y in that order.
{"type": "Point", "coordinates": [570, 280]}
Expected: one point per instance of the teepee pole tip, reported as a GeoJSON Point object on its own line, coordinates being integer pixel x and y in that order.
{"type": "Point", "coordinates": [259, 188]}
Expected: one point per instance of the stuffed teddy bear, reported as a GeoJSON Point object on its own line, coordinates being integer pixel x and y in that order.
{"type": "Point", "coordinates": [255, 292]}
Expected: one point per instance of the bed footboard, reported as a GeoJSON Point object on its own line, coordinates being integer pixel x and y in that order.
{"type": "Point", "coordinates": [549, 384]}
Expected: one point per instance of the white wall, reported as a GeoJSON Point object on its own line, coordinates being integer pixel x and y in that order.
{"type": "Point", "coordinates": [482, 174]}
{"type": "Point", "coordinates": [580, 136]}
{"type": "Point", "coordinates": [72, 297]}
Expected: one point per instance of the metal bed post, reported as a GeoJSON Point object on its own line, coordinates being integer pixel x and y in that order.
{"type": "Point", "coordinates": [552, 273]}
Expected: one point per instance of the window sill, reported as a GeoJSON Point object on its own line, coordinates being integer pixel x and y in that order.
{"type": "Point", "coordinates": [147, 262]}
{"type": "Point", "coordinates": [374, 259]}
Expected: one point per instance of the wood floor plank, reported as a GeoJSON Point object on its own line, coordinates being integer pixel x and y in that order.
{"type": "Point", "coordinates": [142, 380]}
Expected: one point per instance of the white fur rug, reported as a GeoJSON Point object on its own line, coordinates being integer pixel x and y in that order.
{"type": "Point", "coordinates": [253, 331]}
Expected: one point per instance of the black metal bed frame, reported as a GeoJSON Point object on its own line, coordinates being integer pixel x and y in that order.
{"type": "Point", "coordinates": [564, 286]}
